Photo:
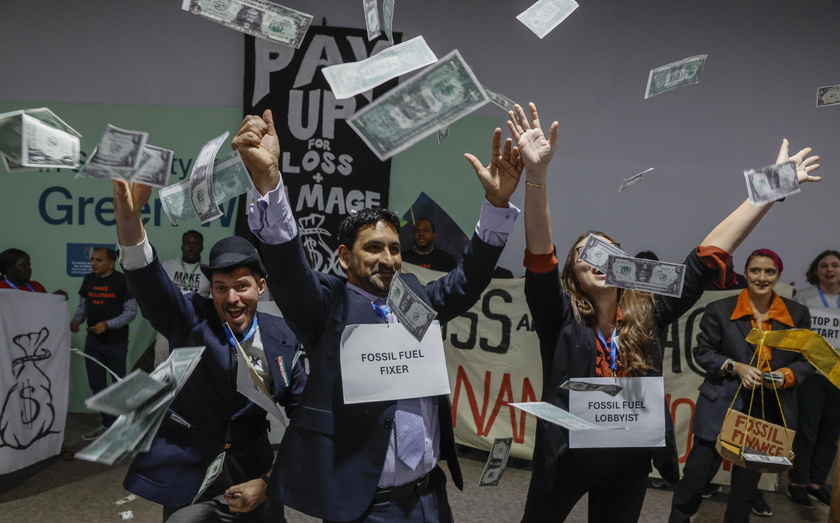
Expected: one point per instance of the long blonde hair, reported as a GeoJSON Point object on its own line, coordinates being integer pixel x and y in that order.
{"type": "Point", "coordinates": [638, 329]}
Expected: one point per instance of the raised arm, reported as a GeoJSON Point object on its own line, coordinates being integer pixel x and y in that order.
{"type": "Point", "coordinates": [259, 147]}
{"type": "Point", "coordinates": [729, 233]}
{"type": "Point", "coordinates": [501, 176]}
{"type": "Point", "coordinates": [129, 200]}
{"type": "Point", "coordinates": [536, 153]}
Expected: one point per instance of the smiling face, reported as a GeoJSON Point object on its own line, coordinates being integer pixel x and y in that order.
{"type": "Point", "coordinates": [762, 276]}
{"type": "Point", "coordinates": [235, 295]}
{"type": "Point", "coordinates": [373, 259]}
{"type": "Point", "coordinates": [828, 270]}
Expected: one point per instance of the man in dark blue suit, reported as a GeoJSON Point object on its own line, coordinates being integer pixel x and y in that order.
{"type": "Point", "coordinates": [346, 462]}
{"type": "Point", "coordinates": [209, 417]}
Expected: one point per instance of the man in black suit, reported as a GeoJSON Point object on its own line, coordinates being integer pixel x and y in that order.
{"type": "Point", "coordinates": [209, 417]}
{"type": "Point", "coordinates": [345, 462]}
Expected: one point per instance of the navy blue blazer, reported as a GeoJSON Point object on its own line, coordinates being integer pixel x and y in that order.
{"type": "Point", "coordinates": [208, 415]}
{"type": "Point", "coordinates": [332, 454]}
{"type": "Point", "coordinates": [720, 339]}
{"type": "Point", "coordinates": [568, 350]}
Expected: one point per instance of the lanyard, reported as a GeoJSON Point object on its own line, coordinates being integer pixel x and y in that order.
{"type": "Point", "coordinates": [822, 297]}
{"type": "Point", "coordinates": [195, 267]}
{"type": "Point", "coordinates": [382, 311]}
{"type": "Point", "coordinates": [15, 287]}
{"type": "Point", "coordinates": [248, 335]}
{"type": "Point", "coordinates": [613, 346]}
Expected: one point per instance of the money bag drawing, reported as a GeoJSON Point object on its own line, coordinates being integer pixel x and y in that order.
{"type": "Point", "coordinates": [28, 412]}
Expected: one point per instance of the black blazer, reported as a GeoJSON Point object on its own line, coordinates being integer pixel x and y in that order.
{"type": "Point", "coordinates": [720, 339]}
{"type": "Point", "coordinates": [208, 413]}
{"type": "Point", "coordinates": [568, 350]}
{"type": "Point", "coordinates": [332, 454]}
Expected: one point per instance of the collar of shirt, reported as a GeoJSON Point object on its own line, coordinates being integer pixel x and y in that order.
{"type": "Point", "coordinates": [778, 310]}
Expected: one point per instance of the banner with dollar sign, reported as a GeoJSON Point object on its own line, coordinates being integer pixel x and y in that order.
{"type": "Point", "coordinates": [328, 171]}
{"type": "Point", "coordinates": [34, 370]}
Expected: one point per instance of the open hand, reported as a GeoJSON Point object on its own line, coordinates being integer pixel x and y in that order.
{"type": "Point", "coordinates": [804, 164]}
{"type": "Point", "coordinates": [501, 176]}
{"type": "Point", "coordinates": [536, 151]}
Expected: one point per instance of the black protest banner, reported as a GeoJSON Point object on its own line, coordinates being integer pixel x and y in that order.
{"type": "Point", "coordinates": [327, 169]}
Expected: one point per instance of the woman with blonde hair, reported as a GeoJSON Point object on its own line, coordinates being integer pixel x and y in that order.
{"type": "Point", "coordinates": [579, 320]}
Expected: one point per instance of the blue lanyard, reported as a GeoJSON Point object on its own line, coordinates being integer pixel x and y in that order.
{"type": "Point", "coordinates": [382, 311]}
{"type": "Point", "coordinates": [248, 335]}
{"type": "Point", "coordinates": [613, 346]}
{"type": "Point", "coordinates": [822, 297]}
{"type": "Point", "coordinates": [15, 287]}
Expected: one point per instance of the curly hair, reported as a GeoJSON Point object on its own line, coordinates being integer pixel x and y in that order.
{"type": "Point", "coordinates": [811, 273]}
{"type": "Point", "coordinates": [638, 329]}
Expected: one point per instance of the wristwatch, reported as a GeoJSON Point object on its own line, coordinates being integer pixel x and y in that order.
{"type": "Point", "coordinates": [729, 367]}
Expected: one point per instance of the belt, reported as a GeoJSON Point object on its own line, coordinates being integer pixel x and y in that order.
{"type": "Point", "coordinates": [387, 494]}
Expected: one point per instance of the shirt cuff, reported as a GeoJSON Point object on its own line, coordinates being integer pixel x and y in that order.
{"type": "Point", "coordinates": [718, 260]}
{"type": "Point", "coordinates": [137, 256]}
{"type": "Point", "coordinates": [496, 223]}
{"type": "Point", "coordinates": [541, 263]}
{"type": "Point", "coordinates": [270, 217]}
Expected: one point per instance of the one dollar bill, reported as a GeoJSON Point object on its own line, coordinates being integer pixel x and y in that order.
{"type": "Point", "coordinates": [645, 275]}
{"type": "Point", "coordinates": [545, 15]}
{"type": "Point", "coordinates": [596, 252]}
{"type": "Point", "coordinates": [412, 312]}
{"type": "Point", "coordinates": [828, 95]}
{"type": "Point", "coordinates": [439, 95]}
{"type": "Point", "coordinates": [771, 183]}
{"type": "Point", "coordinates": [496, 463]}
{"type": "Point", "coordinates": [258, 18]}
{"type": "Point", "coordinates": [673, 75]}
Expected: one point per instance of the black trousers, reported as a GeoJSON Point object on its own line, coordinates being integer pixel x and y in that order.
{"type": "Point", "coordinates": [615, 479]}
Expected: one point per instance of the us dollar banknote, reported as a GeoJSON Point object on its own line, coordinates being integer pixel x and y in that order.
{"type": "Point", "coordinates": [633, 180]}
{"type": "Point", "coordinates": [498, 99]}
{"type": "Point", "coordinates": [259, 18]}
{"type": "Point", "coordinates": [596, 252]}
{"type": "Point", "coordinates": [45, 146]}
{"type": "Point", "coordinates": [437, 96]}
{"type": "Point", "coordinates": [118, 154]}
{"type": "Point", "coordinates": [155, 167]}
{"type": "Point", "coordinates": [353, 78]}
{"type": "Point", "coordinates": [371, 18]}
{"type": "Point", "coordinates": [644, 275]}
{"type": "Point", "coordinates": [412, 312]}
{"type": "Point", "coordinates": [230, 179]}
{"type": "Point", "coordinates": [388, 19]}
{"type": "Point", "coordinates": [545, 15]}
{"type": "Point", "coordinates": [442, 134]}
{"type": "Point", "coordinates": [673, 75]}
{"type": "Point", "coordinates": [201, 181]}
{"type": "Point", "coordinates": [556, 415]}
{"type": "Point", "coordinates": [772, 182]}
{"type": "Point", "coordinates": [51, 140]}
{"type": "Point", "coordinates": [582, 386]}
{"type": "Point", "coordinates": [496, 462]}
{"type": "Point", "coordinates": [828, 95]}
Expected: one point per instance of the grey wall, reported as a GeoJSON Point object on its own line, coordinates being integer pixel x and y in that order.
{"type": "Point", "coordinates": [766, 60]}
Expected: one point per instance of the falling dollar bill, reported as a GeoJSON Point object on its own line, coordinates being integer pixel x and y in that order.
{"type": "Point", "coordinates": [371, 18]}
{"type": "Point", "coordinates": [556, 415]}
{"type": "Point", "coordinates": [230, 179]}
{"type": "Point", "coordinates": [259, 18]}
{"type": "Point", "coordinates": [677, 74]}
{"type": "Point", "coordinates": [210, 476]}
{"type": "Point", "coordinates": [352, 78]}
{"type": "Point", "coordinates": [596, 252]}
{"type": "Point", "coordinates": [155, 166]}
{"type": "Point", "coordinates": [828, 95]}
{"type": "Point", "coordinates": [412, 312]}
{"type": "Point", "coordinates": [645, 275]}
{"type": "Point", "coordinates": [772, 182]}
{"type": "Point", "coordinates": [636, 178]}
{"type": "Point", "coordinates": [123, 501]}
{"type": "Point", "coordinates": [496, 462]}
{"type": "Point", "coordinates": [583, 386]}
{"type": "Point", "coordinates": [45, 146]}
{"type": "Point", "coordinates": [499, 99]}
{"type": "Point", "coordinates": [201, 181]}
{"type": "Point", "coordinates": [545, 15]}
{"type": "Point", "coordinates": [437, 96]}
{"type": "Point", "coordinates": [388, 19]}
{"type": "Point", "coordinates": [118, 155]}
{"type": "Point", "coordinates": [127, 395]}
{"type": "Point", "coordinates": [40, 140]}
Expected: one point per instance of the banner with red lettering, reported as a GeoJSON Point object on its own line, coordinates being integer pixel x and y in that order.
{"type": "Point", "coordinates": [327, 169]}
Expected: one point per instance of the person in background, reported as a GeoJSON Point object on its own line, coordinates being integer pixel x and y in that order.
{"type": "Point", "coordinates": [818, 426]}
{"type": "Point", "coordinates": [108, 309]}
{"type": "Point", "coordinates": [185, 274]}
{"type": "Point", "coordinates": [424, 253]}
{"type": "Point", "coordinates": [733, 364]}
